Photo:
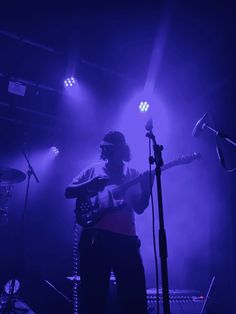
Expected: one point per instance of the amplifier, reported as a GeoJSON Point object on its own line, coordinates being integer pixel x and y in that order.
{"type": "Point", "coordinates": [181, 301]}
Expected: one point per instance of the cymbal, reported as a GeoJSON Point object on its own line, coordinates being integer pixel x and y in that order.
{"type": "Point", "coordinates": [10, 176]}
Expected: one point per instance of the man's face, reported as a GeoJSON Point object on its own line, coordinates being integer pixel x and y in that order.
{"type": "Point", "coordinates": [111, 153]}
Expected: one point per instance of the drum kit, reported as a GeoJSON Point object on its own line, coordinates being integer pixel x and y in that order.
{"type": "Point", "coordinates": [9, 302]}
{"type": "Point", "coordinates": [8, 177]}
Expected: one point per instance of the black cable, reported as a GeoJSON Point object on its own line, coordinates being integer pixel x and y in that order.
{"type": "Point", "coordinates": [220, 156]}
{"type": "Point", "coordinates": [153, 228]}
{"type": "Point", "coordinates": [219, 152]}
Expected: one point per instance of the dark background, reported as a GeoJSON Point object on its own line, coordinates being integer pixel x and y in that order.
{"type": "Point", "coordinates": [110, 48]}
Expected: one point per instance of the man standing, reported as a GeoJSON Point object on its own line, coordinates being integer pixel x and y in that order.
{"type": "Point", "coordinates": [111, 243]}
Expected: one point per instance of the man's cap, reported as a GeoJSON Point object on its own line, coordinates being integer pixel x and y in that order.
{"type": "Point", "coordinates": [113, 138]}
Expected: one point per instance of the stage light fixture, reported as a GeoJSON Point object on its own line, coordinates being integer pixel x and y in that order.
{"type": "Point", "coordinates": [54, 150]}
{"type": "Point", "coordinates": [16, 88]}
{"type": "Point", "coordinates": [143, 107]}
{"type": "Point", "coordinates": [70, 82]}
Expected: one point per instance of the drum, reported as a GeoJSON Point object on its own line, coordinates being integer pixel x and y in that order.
{"type": "Point", "coordinates": [14, 306]}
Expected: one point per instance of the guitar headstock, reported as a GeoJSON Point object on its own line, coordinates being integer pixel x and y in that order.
{"type": "Point", "coordinates": [186, 159]}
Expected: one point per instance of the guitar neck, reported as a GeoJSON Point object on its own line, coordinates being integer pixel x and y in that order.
{"type": "Point", "coordinates": [168, 165]}
{"type": "Point", "coordinates": [126, 185]}
{"type": "Point", "coordinates": [180, 161]}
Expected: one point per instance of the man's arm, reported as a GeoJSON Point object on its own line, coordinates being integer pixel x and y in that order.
{"type": "Point", "coordinates": [141, 203]}
{"type": "Point", "coordinates": [74, 190]}
{"type": "Point", "coordinates": [91, 186]}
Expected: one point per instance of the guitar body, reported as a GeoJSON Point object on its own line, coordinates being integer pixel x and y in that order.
{"type": "Point", "coordinates": [90, 209]}
{"type": "Point", "coordinates": [86, 213]}
{"type": "Point", "coordinates": [92, 206]}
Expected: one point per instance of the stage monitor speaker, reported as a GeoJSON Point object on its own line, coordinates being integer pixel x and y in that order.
{"type": "Point", "coordinates": [181, 302]}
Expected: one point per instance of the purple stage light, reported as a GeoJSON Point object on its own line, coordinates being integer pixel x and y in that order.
{"type": "Point", "coordinates": [143, 107]}
{"type": "Point", "coordinates": [70, 82]}
{"type": "Point", "coordinates": [54, 150]}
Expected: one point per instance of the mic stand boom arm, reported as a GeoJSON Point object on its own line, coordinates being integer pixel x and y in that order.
{"type": "Point", "coordinates": [217, 133]}
{"type": "Point", "coordinates": [157, 159]}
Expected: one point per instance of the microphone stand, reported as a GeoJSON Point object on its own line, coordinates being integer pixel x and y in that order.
{"type": "Point", "coordinates": [157, 159]}
{"type": "Point", "coordinates": [219, 152]}
{"type": "Point", "coordinates": [9, 304]}
{"type": "Point", "coordinates": [218, 133]}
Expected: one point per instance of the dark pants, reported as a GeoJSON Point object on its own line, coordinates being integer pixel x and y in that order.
{"type": "Point", "coordinates": [100, 252]}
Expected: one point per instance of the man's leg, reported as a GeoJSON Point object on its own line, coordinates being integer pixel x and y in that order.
{"type": "Point", "coordinates": [129, 272]}
{"type": "Point", "coordinates": [94, 273]}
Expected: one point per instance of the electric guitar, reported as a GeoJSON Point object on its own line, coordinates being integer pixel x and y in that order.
{"type": "Point", "coordinates": [90, 206]}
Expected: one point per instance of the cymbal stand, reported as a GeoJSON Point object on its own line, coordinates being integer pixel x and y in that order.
{"type": "Point", "coordinates": [9, 306]}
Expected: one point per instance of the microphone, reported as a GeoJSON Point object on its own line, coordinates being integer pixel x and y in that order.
{"type": "Point", "coordinates": [149, 125]}
{"type": "Point", "coordinates": [199, 126]}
